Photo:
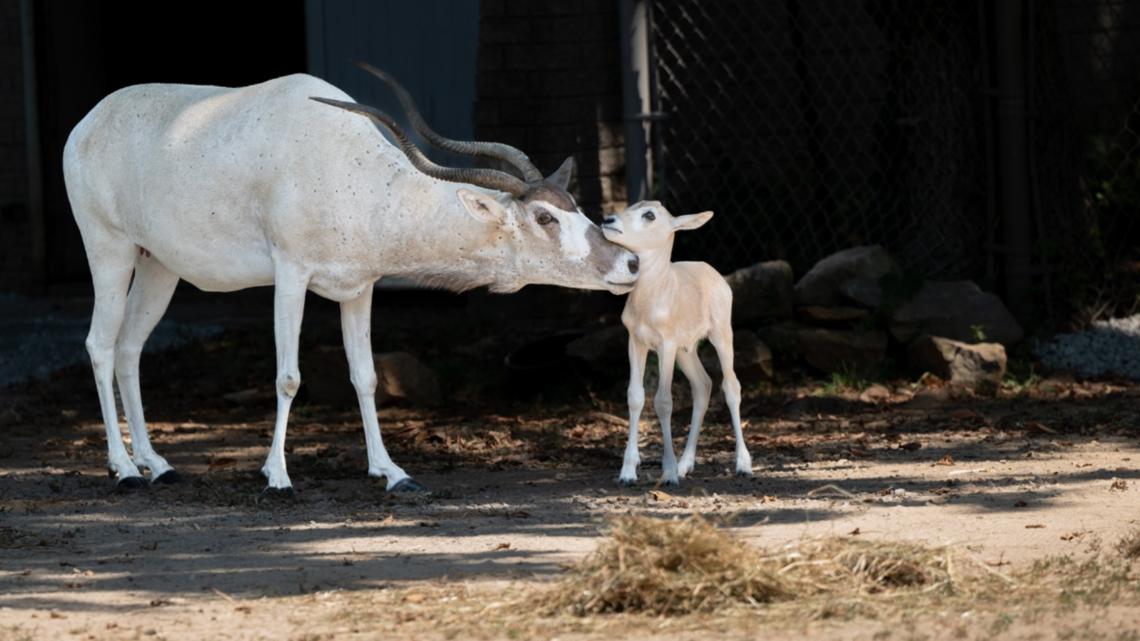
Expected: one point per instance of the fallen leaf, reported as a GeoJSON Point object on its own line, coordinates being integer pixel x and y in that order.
{"type": "Point", "coordinates": [945, 460]}
{"type": "Point", "coordinates": [854, 532]}
{"type": "Point", "coordinates": [1035, 526]}
{"type": "Point", "coordinates": [768, 498]}
{"type": "Point", "coordinates": [1118, 485]}
{"type": "Point", "coordinates": [503, 546]}
{"type": "Point", "coordinates": [658, 495]}
{"type": "Point", "coordinates": [1076, 534]}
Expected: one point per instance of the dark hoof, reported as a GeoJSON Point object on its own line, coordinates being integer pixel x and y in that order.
{"type": "Point", "coordinates": [408, 484]}
{"type": "Point", "coordinates": [130, 483]}
{"type": "Point", "coordinates": [744, 475]}
{"type": "Point", "coordinates": [278, 494]}
{"type": "Point", "coordinates": [625, 483]}
{"type": "Point", "coordinates": [169, 477]}
{"type": "Point", "coordinates": [670, 483]}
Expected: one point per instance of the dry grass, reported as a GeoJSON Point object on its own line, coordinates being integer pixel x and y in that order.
{"type": "Point", "coordinates": [673, 567]}
{"type": "Point", "coordinates": [676, 567]}
{"type": "Point", "coordinates": [1129, 546]}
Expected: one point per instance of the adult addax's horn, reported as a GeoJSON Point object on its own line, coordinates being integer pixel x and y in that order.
{"type": "Point", "coordinates": [489, 178]}
{"type": "Point", "coordinates": [499, 151]}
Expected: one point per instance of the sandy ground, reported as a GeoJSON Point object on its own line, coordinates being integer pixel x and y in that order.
{"type": "Point", "coordinates": [517, 493]}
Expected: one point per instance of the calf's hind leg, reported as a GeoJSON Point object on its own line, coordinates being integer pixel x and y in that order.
{"type": "Point", "coordinates": [722, 341]}
{"type": "Point", "coordinates": [149, 296]}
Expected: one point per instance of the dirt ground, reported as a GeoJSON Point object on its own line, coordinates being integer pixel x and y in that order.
{"type": "Point", "coordinates": [521, 484]}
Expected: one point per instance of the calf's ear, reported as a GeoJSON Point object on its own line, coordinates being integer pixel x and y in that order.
{"type": "Point", "coordinates": [692, 221]}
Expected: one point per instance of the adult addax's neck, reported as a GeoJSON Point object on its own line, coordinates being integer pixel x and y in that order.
{"type": "Point", "coordinates": [424, 233]}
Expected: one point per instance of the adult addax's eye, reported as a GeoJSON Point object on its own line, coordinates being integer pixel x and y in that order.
{"type": "Point", "coordinates": [544, 218]}
{"type": "Point", "coordinates": [649, 216]}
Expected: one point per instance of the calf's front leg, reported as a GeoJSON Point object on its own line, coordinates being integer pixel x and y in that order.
{"type": "Point", "coordinates": [356, 326]}
{"type": "Point", "coordinates": [636, 399]}
{"type": "Point", "coordinates": [663, 403]}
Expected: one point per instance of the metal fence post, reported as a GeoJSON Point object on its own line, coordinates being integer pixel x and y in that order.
{"type": "Point", "coordinates": [1013, 168]}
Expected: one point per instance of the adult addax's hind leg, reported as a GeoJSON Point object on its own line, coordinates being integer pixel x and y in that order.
{"type": "Point", "coordinates": [701, 386]}
{"type": "Point", "coordinates": [149, 296]}
{"type": "Point", "coordinates": [722, 341]}
{"type": "Point", "coordinates": [112, 261]}
{"type": "Point", "coordinates": [356, 325]}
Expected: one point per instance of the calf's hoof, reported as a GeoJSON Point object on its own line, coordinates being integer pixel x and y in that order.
{"type": "Point", "coordinates": [130, 483]}
{"type": "Point", "coordinates": [744, 473]}
{"type": "Point", "coordinates": [278, 494]}
{"type": "Point", "coordinates": [407, 484]}
{"type": "Point", "coordinates": [627, 482]}
{"type": "Point", "coordinates": [169, 477]}
{"type": "Point", "coordinates": [670, 482]}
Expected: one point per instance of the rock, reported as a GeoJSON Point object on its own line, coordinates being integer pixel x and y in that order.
{"type": "Point", "coordinates": [821, 285]}
{"type": "Point", "coordinates": [959, 310]}
{"type": "Point", "coordinates": [865, 292]}
{"type": "Point", "coordinates": [605, 349]}
{"type": "Point", "coordinates": [402, 375]}
{"type": "Point", "coordinates": [979, 366]}
{"type": "Point", "coordinates": [831, 315]}
{"type": "Point", "coordinates": [751, 357]}
{"type": "Point", "coordinates": [875, 394]}
{"type": "Point", "coordinates": [833, 350]}
{"type": "Point", "coordinates": [761, 293]}
{"type": "Point", "coordinates": [781, 337]}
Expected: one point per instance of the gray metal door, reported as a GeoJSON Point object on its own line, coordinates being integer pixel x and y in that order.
{"type": "Point", "coordinates": [429, 45]}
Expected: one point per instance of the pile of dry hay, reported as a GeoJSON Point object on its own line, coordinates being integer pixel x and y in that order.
{"type": "Point", "coordinates": [669, 567]}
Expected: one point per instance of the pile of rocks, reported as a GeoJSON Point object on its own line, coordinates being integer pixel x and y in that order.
{"type": "Point", "coordinates": [848, 313]}
{"type": "Point", "coordinates": [1110, 347]}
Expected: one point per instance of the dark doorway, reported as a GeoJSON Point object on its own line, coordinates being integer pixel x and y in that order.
{"type": "Point", "coordinates": [87, 49]}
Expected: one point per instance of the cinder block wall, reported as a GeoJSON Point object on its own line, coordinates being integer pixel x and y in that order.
{"type": "Point", "coordinates": [549, 82]}
{"type": "Point", "coordinates": [16, 269]}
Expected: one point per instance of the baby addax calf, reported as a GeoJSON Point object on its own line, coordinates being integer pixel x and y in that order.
{"type": "Point", "coordinates": [671, 308]}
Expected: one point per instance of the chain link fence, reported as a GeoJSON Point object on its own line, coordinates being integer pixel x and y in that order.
{"type": "Point", "coordinates": [810, 126]}
{"type": "Point", "coordinates": [1086, 146]}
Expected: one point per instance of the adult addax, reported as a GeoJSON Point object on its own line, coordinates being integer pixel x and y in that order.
{"type": "Point", "coordinates": [234, 188]}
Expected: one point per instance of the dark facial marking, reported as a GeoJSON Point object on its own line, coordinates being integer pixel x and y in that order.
{"type": "Point", "coordinates": [648, 215]}
{"type": "Point", "coordinates": [603, 253]}
{"type": "Point", "coordinates": [547, 192]}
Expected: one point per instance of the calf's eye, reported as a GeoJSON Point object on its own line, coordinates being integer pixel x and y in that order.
{"type": "Point", "coordinates": [544, 218]}
{"type": "Point", "coordinates": [649, 216]}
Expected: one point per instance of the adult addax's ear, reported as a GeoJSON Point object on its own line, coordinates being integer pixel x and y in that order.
{"type": "Point", "coordinates": [692, 221]}
{"type": "Point", "coordinates": [562, 176]}
{"type": "Point", "coordinates": [482, 206]}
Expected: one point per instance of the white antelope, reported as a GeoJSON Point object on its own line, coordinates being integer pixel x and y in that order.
{"type": "Point", "coordinates": [233, 188]}
{"type": "Point", "coordinates": [671, 309]}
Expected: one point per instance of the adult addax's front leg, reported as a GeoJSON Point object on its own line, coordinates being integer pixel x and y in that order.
{"type": "Point", "coordinates": [288, 307]}
{"type": "Point", "coordinates": [356, 325]}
